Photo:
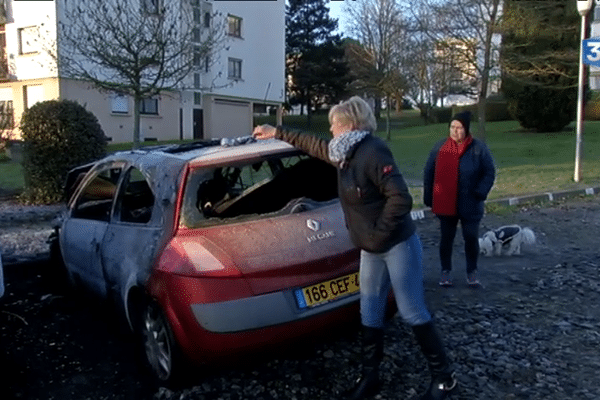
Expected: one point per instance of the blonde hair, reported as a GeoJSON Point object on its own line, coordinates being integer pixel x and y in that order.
{"type": "Point", "coordinates": [355, 111]}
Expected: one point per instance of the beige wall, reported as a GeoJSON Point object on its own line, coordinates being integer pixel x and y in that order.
{"type": "Point", "coordinates": [226, 117]}
{"type": "Point", "coordinates": [17, 92]}
{"type": "Point", "coordinates": [119, 127]}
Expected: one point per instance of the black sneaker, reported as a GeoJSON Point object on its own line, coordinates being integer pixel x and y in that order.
{"type": "Point", "coordinates": [473, 280]}
{"type": "Point", "coordinates": [446, 279]}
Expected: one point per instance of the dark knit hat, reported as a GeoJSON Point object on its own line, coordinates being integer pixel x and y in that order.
{"type": "Point", "coordinates": [464, 118]}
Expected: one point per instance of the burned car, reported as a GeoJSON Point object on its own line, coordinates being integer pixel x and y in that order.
{"type": "Point", "coordinates": [211, 250]}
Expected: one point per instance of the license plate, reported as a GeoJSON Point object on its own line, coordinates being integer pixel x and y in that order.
{"type": "Point", "coordinates": [323, 292]}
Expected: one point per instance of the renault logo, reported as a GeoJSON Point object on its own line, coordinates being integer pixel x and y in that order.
{"type": "Point", "coordinates": [313, 225]}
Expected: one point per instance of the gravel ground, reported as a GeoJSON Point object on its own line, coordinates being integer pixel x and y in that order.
{"type": "Point", "coordinates": [532, 331]}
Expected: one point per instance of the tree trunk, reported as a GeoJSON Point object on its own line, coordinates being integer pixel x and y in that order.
{"type": "Point", "coordinates": [387, 119]}
{"type": "Point", "coordinates": [136, 121]}
{"type": "Point", "coordinates": [485, 73]}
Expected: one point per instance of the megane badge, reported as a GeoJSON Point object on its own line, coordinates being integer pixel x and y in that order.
{"type": "Point", "coordinates": [313, 225]}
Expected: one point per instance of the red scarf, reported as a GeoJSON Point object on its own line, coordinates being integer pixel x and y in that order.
{"type": "Point", "coordinates": [445, 182]}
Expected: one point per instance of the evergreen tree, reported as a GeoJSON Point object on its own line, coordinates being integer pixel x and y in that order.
{"type": "Point", "coordinates": [540, 54]}
{"type": "Point", "coordinates": [316, 70]}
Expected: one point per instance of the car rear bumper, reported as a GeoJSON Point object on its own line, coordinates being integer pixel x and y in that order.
{"type": "Point", "coordinates": [259, 312]}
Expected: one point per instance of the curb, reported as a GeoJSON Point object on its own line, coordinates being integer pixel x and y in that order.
{"type": "Point", "coordinates": [512, 201]}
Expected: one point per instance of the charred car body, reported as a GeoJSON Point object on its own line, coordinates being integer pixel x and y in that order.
{"type": "Point", "coordinates": [211, 250]}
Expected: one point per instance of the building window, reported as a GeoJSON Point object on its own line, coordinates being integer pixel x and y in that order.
{"type": "Point", "coordinates": [32, 94]}
{"type": "Point", "coordinates": [7, 115]}
{"type": "Point", "coordinates": [234, 69]}
{"type": "Point", "coordinates": [207, 64]}
{"type": "Point", "coordinates": [207, 20]}
{"type": "Point", "coordinates": [149, 106]}
{"type": "Point", "coordinates": [196, 81]}
{"type": "Point", "coordinates": [196, 35]}
{"type": "Point", "coordinates": [197, 15]}
{"type": "Point", "coordinates": [198, 98]}
{"type": "Point", "coordinates": [151, 6]}
{"type": "Point", "coordinates": [197, 56]}
{"type": "Point", "coordinates": [120, 104]}
{"type": "Point", "coordinates": [235, 26]}
{"type": "Point", "coordinates": [27, 39]}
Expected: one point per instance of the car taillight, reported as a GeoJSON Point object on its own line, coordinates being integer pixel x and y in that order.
{"type": "Point", "coordinates": [189, 257]}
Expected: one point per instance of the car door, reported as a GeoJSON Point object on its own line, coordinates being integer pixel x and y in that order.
{"type": "Point", "coordinates": [131, 241]}
{"type": "Point", "coordinates": [83, 231]}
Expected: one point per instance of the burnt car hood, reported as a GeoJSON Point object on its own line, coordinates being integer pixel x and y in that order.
{"type": "Point", "coordinates": [275, 253]}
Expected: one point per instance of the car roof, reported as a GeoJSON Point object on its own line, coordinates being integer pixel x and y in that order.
{"type": "Point", "coordinates": [209, 152]}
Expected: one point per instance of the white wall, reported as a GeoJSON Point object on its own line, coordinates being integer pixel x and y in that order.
{"type": "Point", "coordinates": [261, 49]}
{"type": "Point", "coordinates": [31, 17]}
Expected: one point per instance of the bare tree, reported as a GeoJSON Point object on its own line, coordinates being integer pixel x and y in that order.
{"type": "Point", "coordinates": [469, 27]}
{"type": "Point", "coordinates": [139, 48]}
{"type": "Point", "coordinates": [377, 56]}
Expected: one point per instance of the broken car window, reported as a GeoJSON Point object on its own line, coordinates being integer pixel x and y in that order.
{"type": "Point", "coordinates": [136, 200]}
{"type": "Point", "coordinates": [96, 198]}
{"type": "Point", "coordinates": [256, 187]}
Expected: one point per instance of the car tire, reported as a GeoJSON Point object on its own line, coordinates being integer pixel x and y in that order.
{"type": "Point", "coordinates": [160, 351]}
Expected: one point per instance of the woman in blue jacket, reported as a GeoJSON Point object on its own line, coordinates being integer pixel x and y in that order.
{"type": "Point", "coordinates": [458, 176]}
{"type": "Point", "coordinates": [377, 205]}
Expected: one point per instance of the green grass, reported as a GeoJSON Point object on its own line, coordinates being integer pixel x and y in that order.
{"type": "Point", "coordinates": [526, 162]}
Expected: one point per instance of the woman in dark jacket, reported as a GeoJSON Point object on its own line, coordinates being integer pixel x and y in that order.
{"type": "Point", "coordinates": [376, 205]}
{"type": "Point", "coordinates": [457, 179]}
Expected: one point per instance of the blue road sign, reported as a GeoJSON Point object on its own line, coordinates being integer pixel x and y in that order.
{"type": "Point", "coordinates": [591, 51]}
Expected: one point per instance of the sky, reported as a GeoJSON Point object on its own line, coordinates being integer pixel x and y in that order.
{"type": "Point", "coordinates": [335, 11]}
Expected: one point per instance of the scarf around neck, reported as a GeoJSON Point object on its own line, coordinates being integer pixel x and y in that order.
{"type": "Point", "coordinates": [445, 182]}
{"type": "Point", "coordinates": [340, 146]}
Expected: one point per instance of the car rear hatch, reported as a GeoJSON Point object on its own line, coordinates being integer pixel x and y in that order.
{"type": "Point", "coordinates": [293, 250]}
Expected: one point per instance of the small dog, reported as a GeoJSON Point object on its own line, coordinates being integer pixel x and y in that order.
{"type": "Point", "coordinates": [508, 237]}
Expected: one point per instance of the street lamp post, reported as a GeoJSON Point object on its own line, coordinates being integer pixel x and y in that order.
{"type": "Point", "coordinates": [583, 7]}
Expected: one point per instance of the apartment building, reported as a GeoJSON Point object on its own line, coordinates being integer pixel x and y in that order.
{"type": "Point", "coordinates": [216, 101]}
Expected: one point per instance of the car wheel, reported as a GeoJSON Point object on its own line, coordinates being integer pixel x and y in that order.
{"type": "Point", "coordinates": [160, 349]}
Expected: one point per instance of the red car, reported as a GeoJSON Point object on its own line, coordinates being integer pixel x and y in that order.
{"type": "Point", "coordinates": [211, 249]}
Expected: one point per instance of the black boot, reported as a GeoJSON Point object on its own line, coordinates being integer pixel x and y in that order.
{"type": "Point", "coordinates": [442, 377]}
{"type": "Point", "coordinates": [372, 353]}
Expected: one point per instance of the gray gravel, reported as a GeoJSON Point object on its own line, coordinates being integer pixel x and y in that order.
{"type": "Point", "coordinates": [533, 331]}
{"type": "Point", "coordinates": [24, 230]}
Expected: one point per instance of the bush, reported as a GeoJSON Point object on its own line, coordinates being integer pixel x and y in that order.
{"type": "Point", "coordinates": [57, 135]}
{"type": "Point", "coordinates": [543, 109]}
{"type": "Point", "coordinates": [435, 115]}
{"type": "Point", "coordinates": [496, 109]}
{"type": "Point", "coordinates": [592, 110]}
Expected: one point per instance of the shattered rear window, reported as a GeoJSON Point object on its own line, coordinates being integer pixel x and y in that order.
{"type": "Point", "coordinates": [256, 188]}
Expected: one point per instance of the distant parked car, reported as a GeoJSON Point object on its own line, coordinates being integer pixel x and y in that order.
{"type": "Point", "coordinates": [211, 250]}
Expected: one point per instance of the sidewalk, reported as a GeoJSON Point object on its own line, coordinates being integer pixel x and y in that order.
{"type": "Point", "coordinates": [512, 201]}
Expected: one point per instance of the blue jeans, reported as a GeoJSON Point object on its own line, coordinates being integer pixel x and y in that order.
{"type": "Point", "coordinates": [402, 269]}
